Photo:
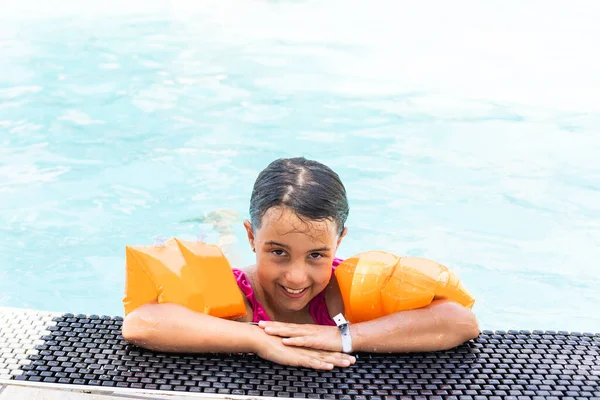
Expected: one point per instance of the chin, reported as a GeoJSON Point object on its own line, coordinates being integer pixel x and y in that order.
{"type": "Point", "coordinates": [295, 304]}
{"type": "Point", "coordinates": [294, 307]}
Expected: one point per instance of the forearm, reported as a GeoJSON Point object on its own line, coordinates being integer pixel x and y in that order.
{"type": "Point", "coordinates": [440, 326]}
{"type": "Point", "coordinates": [174, 328]}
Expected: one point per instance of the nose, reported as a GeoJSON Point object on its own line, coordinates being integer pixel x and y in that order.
{"type": "Point", "coordinates": [296, 277]}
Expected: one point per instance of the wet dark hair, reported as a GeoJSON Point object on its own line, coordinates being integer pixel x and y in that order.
{"type": "Point", "coordinates": [311, 189]}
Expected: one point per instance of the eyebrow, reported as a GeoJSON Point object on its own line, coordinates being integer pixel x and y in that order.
{"type": "Point", "coordinates": [285, 246]}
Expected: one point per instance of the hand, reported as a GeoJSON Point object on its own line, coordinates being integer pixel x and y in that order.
{"type": "Point", "coordinates": [317, 337]}
{"type": "Point", "coordinates": [271, 348]}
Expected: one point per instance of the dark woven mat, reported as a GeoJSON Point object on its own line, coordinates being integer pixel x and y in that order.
{"type": "Point", "coordinates": [88, 350]}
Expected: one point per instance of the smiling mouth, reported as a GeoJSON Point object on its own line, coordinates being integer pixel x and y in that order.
{"type": "Point", "coordinates": [293, 291]}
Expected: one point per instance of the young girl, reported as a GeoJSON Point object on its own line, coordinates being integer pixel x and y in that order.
{"type": "Point", "coordinates": [298, 209]}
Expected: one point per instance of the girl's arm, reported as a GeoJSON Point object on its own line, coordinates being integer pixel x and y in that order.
{"type": "Point", "coordinates": [174, 328]}
{"type": "Point", "coordinates": [440, 326]}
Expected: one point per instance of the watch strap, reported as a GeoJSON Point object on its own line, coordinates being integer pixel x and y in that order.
{"type": "Point", "coordinates": [343, 326]}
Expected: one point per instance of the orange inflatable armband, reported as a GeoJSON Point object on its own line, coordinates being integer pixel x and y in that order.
{"type": "Point", "coordinates": [193, 274]}
{"type": "Point", "coordinates": [378, 283]}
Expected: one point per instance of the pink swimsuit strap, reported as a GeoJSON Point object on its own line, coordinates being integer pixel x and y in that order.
{"type": "Point", "coordinates": [317, 307]}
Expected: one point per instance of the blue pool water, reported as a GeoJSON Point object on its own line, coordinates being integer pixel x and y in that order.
{"type": "Point", "coordinates": [469, 135]}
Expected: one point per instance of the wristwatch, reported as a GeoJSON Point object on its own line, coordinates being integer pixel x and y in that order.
{"type": "Point", "coordinates": [342, 325]}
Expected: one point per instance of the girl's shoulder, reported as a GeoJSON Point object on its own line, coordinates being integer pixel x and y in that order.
{"type": "Point", "coordinates": [333, 296]}
{"type": "Point", "coordinates": [244, 280]}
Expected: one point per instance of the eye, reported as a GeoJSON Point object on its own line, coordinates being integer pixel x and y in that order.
{"type": "Point", "coordinates": [278, 252]}
{"type": "Point", "coordinates": [315, 256]}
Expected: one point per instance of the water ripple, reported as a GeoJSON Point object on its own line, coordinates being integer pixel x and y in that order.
{"type": "Point", "coordinates": [121, 123]}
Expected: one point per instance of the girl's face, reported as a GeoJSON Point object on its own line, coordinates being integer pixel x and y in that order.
{"type": "Point", "coordinates": [293, 257]}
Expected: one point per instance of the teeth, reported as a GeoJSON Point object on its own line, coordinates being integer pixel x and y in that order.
{"type": "Point", "coordinates": [293, 291]}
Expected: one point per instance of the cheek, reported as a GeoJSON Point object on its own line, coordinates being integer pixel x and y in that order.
{"type": "Point", "coordinates": [322, 276]}
{"type": "Point", "coordinates": [266, 271]}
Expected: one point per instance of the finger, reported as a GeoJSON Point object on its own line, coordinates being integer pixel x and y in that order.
{"type": "Point", "coordinates": [316, 363]}
{"type": "Point", "coordinates": [338, 358]}
{"type": "Point", "coordinates": [287, 330]}
{"type": "Point", "coordinates": [310, 360]}
{"type": "Point", "coordinates": [323, 361]}
{"type": "Point", "coordinates": [302, 341]}
{"type": "Point", "coordinates": [313, 342]}
{"type": "Point", "coordinates": [276, 324]}
{"type": "Point", "coordinates": [263, 324]}
{"type": "Point", "coordinates": [335, 360]}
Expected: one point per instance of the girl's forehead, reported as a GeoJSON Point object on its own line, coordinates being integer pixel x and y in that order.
{"type": "Point", "coordinates": [281, 221]}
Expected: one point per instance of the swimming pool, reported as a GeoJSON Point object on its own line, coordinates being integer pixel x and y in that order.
{"type": "Point", "coordinates": [472, 141]}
